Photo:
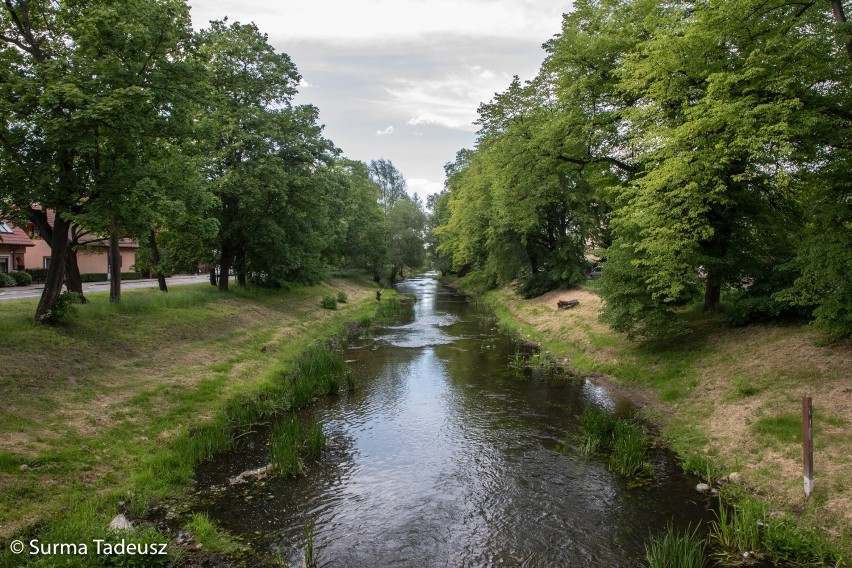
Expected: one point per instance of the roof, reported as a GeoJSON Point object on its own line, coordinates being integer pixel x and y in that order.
{"type": "Point", "coordinates": [12, 235]}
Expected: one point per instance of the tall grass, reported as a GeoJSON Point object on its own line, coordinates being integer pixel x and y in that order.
{"type": "Point", "coordinates": [395, 310]}
{"type": "Point", "coordinates": [746, 527]}
{"type": "Point", "coordinates": [292, 442]}
{"type": "Point", "coordinates": [319, 371]}
{"type": "Point", "coordinates": [623, 440]}
{"type": "Point", "coordinates": [676, 550]}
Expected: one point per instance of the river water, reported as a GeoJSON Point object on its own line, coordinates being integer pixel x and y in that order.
{"type": "Point", "coordinates": [445, 456]}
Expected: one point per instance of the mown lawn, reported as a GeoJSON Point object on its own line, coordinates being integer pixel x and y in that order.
{"type": "Point", "coordinates": [112, 410]}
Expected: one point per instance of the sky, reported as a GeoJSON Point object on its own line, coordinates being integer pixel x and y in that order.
{"type": "Point", "coordinates": [401, 79]}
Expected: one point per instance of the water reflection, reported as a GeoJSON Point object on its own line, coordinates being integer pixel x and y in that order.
{"type": "Point", "coordinates": [443, 457]}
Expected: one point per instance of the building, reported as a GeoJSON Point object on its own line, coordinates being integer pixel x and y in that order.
{"type": "Point", "coordinates": [14, 243]}
{"type": "Point", "coordinates": [34, 251]}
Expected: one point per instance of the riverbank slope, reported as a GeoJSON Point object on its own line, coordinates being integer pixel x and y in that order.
{"type": "Point", "coordinates": [728, 398]}
{"type": "Point", "coordinates": [101, 415]}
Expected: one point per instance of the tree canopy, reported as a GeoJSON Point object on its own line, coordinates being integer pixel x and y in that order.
{"type": "Point", "coordinates": [695, 148]}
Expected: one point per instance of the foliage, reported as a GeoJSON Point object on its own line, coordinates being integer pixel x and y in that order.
{"type": "Point", "coordinates": [693, 147]}
{"type": "Point", "coordinates": [624, 441]}
{"type": "Point", "coordinates": [292, 442]}
{"type": "Point", "coordinates": [38, 274]}
{"type": "Point", "coordinates": [21, 277]}
{"type": "Point", "coordinates": [329, 303]}
{"type": "Point", "coordinates": [391, 183]}
{"type": "Point", "coordinates": [64, 310]}
{"type": "Point", "coordinates": [676, 550]}
{"type": "Point", "coordinates": [342, 297]}
{"type": "Point", "coordinates": [6, 280]}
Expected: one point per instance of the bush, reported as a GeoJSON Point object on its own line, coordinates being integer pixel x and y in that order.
{"type": "Point", "coordinates": [329, 303]}
{"type": "Point", "coordinates": [342, 297]}
{"type": "Point", "coordinates": [38, 274]}
{"type": "Point", "coordinates": [131, 275]}
{"type": "Point", "coordinates": [94, 277]}
{"type": "Point", "coordinates": [21, 278]}
{"type": "Point", "coordinates": [64, 310]}
{"type": "Point", "coordinates": [6, 280]}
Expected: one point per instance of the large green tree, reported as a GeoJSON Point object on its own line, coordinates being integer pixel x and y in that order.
{"type": "Point", "coordinates": [92, 93]}
{"type": "Point", "coordinates": [262, 157]}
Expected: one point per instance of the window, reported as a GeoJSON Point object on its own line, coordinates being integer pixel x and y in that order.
{"type": "Point", "coordinates": [5, 228]}
{"type": "Point", "coordinates": [46, 262]}
{"type": "Point", "coordinates": [4, 264]}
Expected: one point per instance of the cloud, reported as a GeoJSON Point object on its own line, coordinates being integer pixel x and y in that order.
{"type": "Point", "coordinates": [303, 84]}
{"type": "Point", "coordinates": [423, 187]}
{"type": "Point", "coordinates": [386, 131]}
{"type": "Point", "coordinates": [344, 21]}
{"type": "Point", "coordinates": [450, 101]}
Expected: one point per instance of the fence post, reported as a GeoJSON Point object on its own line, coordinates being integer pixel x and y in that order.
{"type": "Point", "coordinates": [808, 443]}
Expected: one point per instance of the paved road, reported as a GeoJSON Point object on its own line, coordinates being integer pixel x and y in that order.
{"type": "Point", "coordinates": [34, 290]}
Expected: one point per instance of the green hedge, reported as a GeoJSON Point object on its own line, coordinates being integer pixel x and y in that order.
{"type": "Point", "coordinates": [102, 276]}
{"type": "Point", "coordinates": [38, 274]}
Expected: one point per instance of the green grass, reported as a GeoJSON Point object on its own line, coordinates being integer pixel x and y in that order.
{"type": "Point", "coordinates": [210, 536]}
{"type": "Point", "coordinates": [624, 441]}
{"type": "Point", "coordinates": [745, 526]}
{"type": "Point", "coordinates": [785, 428]}
{"type": "Point", "coordinates": [674, 549]}
{"type": "Point", "coordinates": [121, 404]}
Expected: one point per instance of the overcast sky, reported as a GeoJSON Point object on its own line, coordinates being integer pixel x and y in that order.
{"type": "Point", "coordinates": [401, 79]}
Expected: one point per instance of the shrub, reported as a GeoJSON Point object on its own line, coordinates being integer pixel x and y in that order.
{"type": "Point", "coordinates": [64, 310]}
{"type": "Point", "coordinates": [21, 278]}
{"type": "Point", "coordinates": [38, 274]}
{"type": "Point", "coordinates": [6, 280]}
{"type": "Point", "coordinates": [342, 297]}
{"type": "Point", "coordinates": [131, 275]}
{"type": "Point", "coordinates": [94, 277]}
{"type": "Point", "coordinates": [329, 303]}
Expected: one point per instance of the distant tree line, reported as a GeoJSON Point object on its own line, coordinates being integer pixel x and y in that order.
{"type": "Point", "coordinates": [127, 124]}
{"type": "Point", "coordinates": [701, 150]}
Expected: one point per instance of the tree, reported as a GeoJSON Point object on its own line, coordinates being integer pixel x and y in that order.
{"type": "Point", "coordinates": [265, 160]}
{"type": "Point", "coordinates": [390, 180]}
{"type": "Point", "coordinates": [90, 93]}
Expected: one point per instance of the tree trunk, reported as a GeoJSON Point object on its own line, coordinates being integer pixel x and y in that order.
{"type": "Point", "coordinates": [114, 266]}
{"type": "Point", "coordinates": [213, 281]}
{"type": "Point", "coordinates": [240, 266]}
{"type": "Point", "coordinates": [73, 280]}
{"type": "Point", "coordinates": [224, 268]}
{"type": "Point", "coordinates": [56, 270]}
{"type": "Point", "coordinates": [840, 18]}
{"type": "Point", "coordinates": [155, 257]}
{"type": "Point", "coordinates": [712, 293]}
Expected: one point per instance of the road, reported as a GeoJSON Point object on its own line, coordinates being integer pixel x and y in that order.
{"type": "Point", "coordinates": [34, 290]}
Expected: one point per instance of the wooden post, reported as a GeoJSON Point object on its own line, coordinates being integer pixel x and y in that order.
{"type": "Point", "coordinates": [808, 443]}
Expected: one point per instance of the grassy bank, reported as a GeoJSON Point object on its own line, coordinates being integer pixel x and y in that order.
{"type": "Point", "coordinates": [726, 399]}
{"type": "Point", "coordinates": [110, 413]}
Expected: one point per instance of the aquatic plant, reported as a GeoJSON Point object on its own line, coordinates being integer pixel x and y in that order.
{"type": "Point", "coordinates": [395, 310]}
{"type": "Point", "coordinates": [629, 450]}
{"type": "Point", "coordinates": [674, 549]}
{"type": "Point", "coordinates": [291, 442]}
{"type": "Point", "coordinates": [308, 537]}
{"type": "Point", "coordinates": [319, 371]}
{"type": "Point", "coordinates": [624, 440]}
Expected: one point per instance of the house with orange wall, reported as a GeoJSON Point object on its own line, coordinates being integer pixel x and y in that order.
{"type": "Point", "coordinates": [92, 252]}
{"type": "Point", "coordinates": [14, 243]}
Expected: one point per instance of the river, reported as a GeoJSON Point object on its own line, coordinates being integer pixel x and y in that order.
{"type": "Point", "coordinates": [444, 455]}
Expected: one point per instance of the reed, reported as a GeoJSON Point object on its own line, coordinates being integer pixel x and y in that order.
{"type": "Point", "coordinates": [292, 442]}
{"type": "Point", "coordinates": [623, 440]}
{"type": "Point", "coordinates": [674, 549]}
{"type": "Point", "coordinates": [395, 310]}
